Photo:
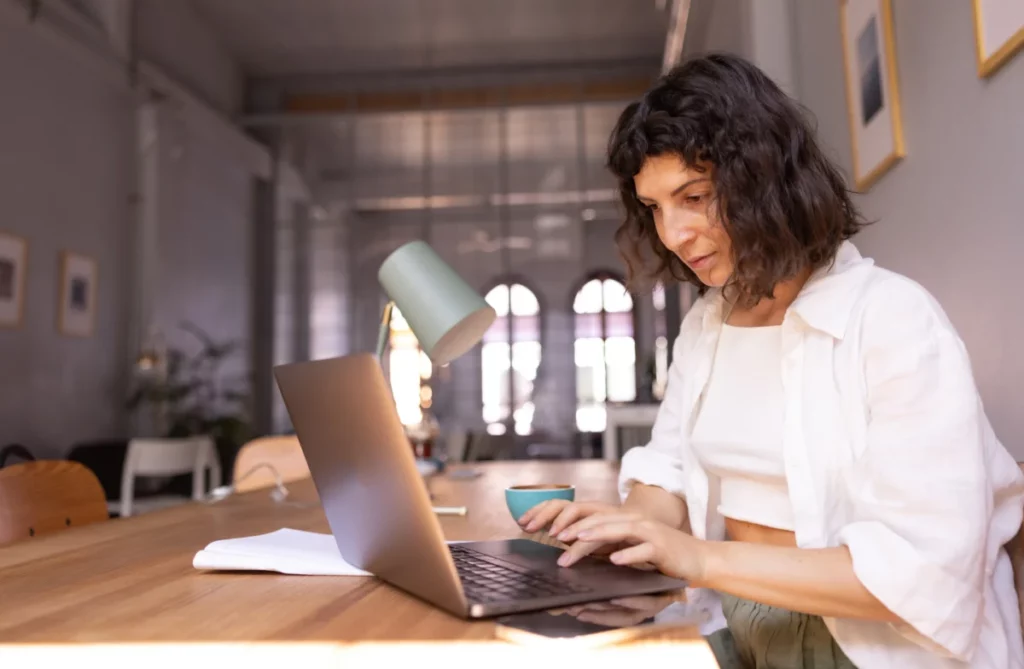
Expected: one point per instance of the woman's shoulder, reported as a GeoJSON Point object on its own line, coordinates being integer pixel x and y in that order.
{"type": "Point", "coordinates": [893, 306]}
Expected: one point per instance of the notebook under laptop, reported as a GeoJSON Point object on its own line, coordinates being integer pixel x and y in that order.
{"type": "Point", "coordinates": [381, 516]}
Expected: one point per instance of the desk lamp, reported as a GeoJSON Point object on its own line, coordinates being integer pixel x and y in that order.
{"type": "Point", "coordinates": [446, 315]}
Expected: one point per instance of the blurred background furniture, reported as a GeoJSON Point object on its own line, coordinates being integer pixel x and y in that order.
{"type": "Point", "coordinates": [627, 416]}
{"type": "Point", "coordinates": [45, 496]}
{"type": "Point", "coordinates": [166, 457]}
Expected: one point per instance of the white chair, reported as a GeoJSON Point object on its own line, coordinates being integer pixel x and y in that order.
{"type": "Point", "coordinates": [166, 457]}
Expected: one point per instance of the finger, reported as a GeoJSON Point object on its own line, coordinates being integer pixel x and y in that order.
{"type": "Point", "coordinates": [624, 529]}
{"type": "Point", "coordinates": [537, 509]}
{"type": "Point", "coordinates": [591, 522]}
{"type": "Point", "coordinates": [573, 513]}
{"type": "Point", "coordinates": [552, 516]}
{"type": "Point", "coordinates": [639, 554]}
{"type": "Point", "coordinates": [543, 513]}
{"type": "Point", "coordinates": [576, 552]}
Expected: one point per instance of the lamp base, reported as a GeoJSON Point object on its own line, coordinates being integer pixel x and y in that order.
{"type": "Point", "coordinates": [385, 331]}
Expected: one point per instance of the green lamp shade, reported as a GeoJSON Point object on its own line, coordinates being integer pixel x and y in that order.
{"type": "Point", "coordinates": [446, 315]}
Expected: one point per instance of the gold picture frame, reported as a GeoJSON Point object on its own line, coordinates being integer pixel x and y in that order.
{"type": "Point", "coordinates": [76, 315]}
{"type": "Point", "coordinates": [13, 274]}
{"type": "Point", "coordinates": [1010, 22]}
{"type": "Point", "coordinates": [872, 88]}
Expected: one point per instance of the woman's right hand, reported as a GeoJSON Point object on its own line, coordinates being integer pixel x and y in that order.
{"type": "Point", "coordinates": [558, 515]}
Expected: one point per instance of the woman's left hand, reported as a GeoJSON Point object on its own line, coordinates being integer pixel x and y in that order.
{"type": "Point", "coordinates": [623, 612]}
{"type": "Point", "coordinates": [671, 551]}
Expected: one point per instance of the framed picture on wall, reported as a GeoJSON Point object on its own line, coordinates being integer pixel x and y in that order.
{"type": "Point", "coordinates": [998, 32]}
{"type": "Point", "coordinates": [872, 88]}
{"type": "Point", "coordinates": [13, 260]}
{"type": "Point", "coordinates": [77, 308]}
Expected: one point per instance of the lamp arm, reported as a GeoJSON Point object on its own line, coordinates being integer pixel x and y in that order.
{"type": "Point", "coordinates": [385, 331]}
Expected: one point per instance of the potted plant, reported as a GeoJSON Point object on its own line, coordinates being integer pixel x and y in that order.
{"type": "Point", "coordinates": [190, 394]}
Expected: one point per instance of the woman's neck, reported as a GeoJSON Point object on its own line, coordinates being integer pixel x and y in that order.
{"type": "Point", "coordinates": [769, 311]}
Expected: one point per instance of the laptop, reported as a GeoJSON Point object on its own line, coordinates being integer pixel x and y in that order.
{"type": "Point", "coordinates": [380, 514]}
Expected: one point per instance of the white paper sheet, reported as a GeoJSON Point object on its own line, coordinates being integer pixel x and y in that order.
{"type": "Point", "coordinates": [285, 551]}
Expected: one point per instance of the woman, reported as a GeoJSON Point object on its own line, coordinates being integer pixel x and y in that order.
{"type": "Point", "coordinates": [821, 458]}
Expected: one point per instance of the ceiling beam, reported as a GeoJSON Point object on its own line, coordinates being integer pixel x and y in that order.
{"type": "Point", "coordinates": [476, 97]}
{"type": "Point", "coordinates": [441, 76]}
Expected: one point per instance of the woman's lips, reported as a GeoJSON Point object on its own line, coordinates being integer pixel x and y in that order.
{"type": "Point", "coordinates": [700, 262]}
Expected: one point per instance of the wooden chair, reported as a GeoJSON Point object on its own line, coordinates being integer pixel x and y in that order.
{"type": "Point", "coordinates": [46, 496]}
{"type": "Point", "coordinates": [15, 451]}
{"type": "Point", "coordinates": [282, 453]}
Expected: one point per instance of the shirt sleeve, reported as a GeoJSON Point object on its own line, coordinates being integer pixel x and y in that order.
{"type": "Point", "coordinates": [660, 463]}
{"type": "Point", "coordinates": [920, 498]}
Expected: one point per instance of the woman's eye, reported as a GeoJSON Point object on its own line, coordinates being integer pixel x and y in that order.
{"type": "Point", "coordinates": [652, 208]}
{"type": "Point", "coordinates": [696, 198]}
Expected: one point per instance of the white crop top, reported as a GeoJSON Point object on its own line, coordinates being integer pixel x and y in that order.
{"type": "Point", "coordinates": [738, 433]}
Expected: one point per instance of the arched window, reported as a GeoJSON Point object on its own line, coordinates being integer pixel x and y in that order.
{"type": "Point", "coordinates": [510, 395]}
{"type": "Point", "coordinates": [605, 349]}
{"type": "Point", "coordinates": [409, 370]}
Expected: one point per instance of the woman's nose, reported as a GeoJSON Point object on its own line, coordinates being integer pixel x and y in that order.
{"type": "Point", "coordinates": [679, 229]}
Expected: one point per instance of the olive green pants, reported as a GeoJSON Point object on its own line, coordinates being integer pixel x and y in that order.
{"type": "Point", "coordinates": [765, 637]}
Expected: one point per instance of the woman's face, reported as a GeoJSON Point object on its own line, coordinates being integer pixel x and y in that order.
{"type": "Point", "coordinates": [681, 201]}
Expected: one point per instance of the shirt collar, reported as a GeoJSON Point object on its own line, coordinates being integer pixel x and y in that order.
{"type": "Point", "coordinates": [826, 301]}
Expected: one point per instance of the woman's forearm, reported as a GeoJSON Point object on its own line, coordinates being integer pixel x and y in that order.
{"type": "Point", "coordinates": [814, 581]}
{"type": "Point", "coordinates": [659, 504]}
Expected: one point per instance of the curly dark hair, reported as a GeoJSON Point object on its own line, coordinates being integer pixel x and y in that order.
{"type": "Point", "coordinates": [784, 205]}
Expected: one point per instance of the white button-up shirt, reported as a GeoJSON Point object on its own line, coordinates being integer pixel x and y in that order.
{"type": "Point", "coordinates": [887, 451]}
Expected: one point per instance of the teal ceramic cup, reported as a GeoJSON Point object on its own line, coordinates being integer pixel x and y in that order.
{"type": "Point", "coordinates": [522, 498]}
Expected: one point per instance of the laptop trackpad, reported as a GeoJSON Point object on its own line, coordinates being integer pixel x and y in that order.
{"type": "Point", "coordinates": [540, 557]}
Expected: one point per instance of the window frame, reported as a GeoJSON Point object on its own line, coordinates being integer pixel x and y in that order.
{"type": "Point", "coordinates": [510, 280]}
{"type": "Point", "coordinates": [602, 275]}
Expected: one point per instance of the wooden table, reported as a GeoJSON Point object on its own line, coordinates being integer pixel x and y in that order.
{"type": "Point", "coordinates": [132, 580]}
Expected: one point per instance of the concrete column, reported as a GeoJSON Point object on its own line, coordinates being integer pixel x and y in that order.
{"type": "Point", "coordinates": [143, 335]}
{"type": "Point", "coordinates": [147, 225]}
{"type": "Point", "coordinates": [302, 285]}
{"type": "Point", "coordinates": [264, 254]}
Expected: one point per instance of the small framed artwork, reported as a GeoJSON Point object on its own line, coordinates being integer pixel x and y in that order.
{"type": "Point", "coordinates": [78, 276]}
{"type": "Point", "coordinates": [998, 33]}
{"type": "Point", "coordinates": [872, 88]}
{"type": "Point", "coordinates": [13, 260]}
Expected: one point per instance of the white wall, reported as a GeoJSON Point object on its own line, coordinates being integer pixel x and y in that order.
{"type": "Point", "coordinates": [66, 176]}
{"type": "Point", "coordinates": [951, 215]}
{"type": "Point", "coordinates": [68, 181]}
{"type": "Point", "coordinates": [204, 239]}
{"type": "Point", "coordinates": [177, 39]}
{"type": "Point", "coordinates": [772, 46]}
{"type": "Point", "coordinates": [719, 25]}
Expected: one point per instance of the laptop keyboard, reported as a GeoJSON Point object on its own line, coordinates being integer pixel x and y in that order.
{"type": "Point", "coordinates": [486, 578]}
